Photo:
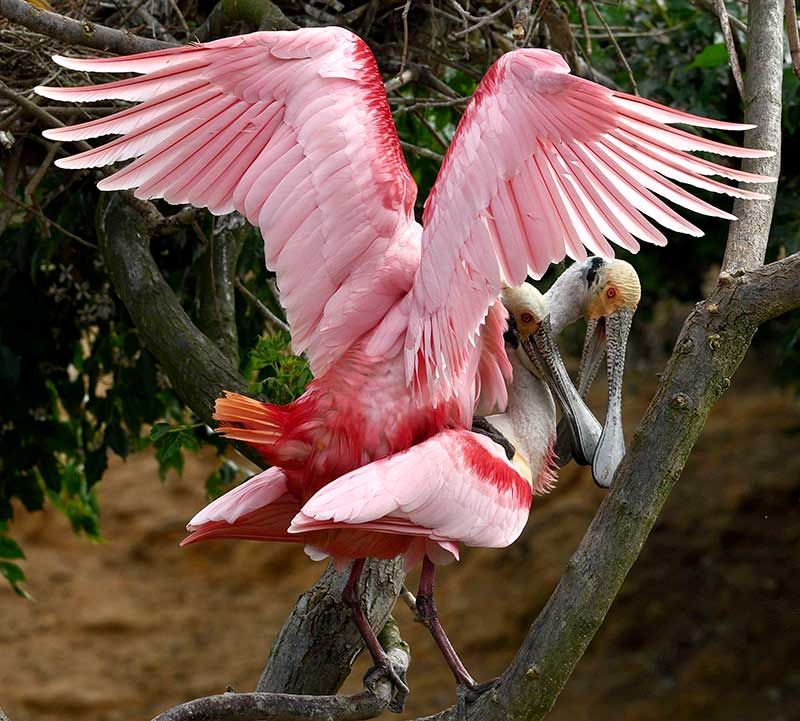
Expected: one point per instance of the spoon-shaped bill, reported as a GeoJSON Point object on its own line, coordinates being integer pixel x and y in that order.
{"type": "Point", "coordinates": [594, 350]}
{"type": "Point", "coordinates": [542, 350]}
{"type": "Point", "coordinates": [611, 447]}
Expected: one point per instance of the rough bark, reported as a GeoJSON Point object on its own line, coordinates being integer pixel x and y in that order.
{"type": "Point", "coordinates": [196, 367]}
{"type": "Point", "coordinates": [747, 238]}
{"type": "Point", "coordinates": [217, 290]}
{"type": "Point", "coordinates": [90, 35]}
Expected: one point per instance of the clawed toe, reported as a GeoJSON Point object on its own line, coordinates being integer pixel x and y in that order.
{"type": "Point", "coordinates": [386, 671]}
{"type": "Point", "coordinates": [475, 690]}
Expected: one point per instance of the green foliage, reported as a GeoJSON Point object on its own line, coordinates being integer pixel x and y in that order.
{"type": "Point", "coordinates": [711, 56]}
{"type": "Point", "coordinates": [274, 371]}
{"type": "Point", "coordinates": [10, 551]}
{"type": "Point", "coordinates": [170, 441]}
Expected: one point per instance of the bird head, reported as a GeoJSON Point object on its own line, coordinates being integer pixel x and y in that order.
{"type": "Point", "coordinates": [530, 337]}
{"type": "Point", "coordinates": [611, 294]}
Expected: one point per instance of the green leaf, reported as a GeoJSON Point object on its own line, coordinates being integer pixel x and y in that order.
{"type": "Point", "coordinates": [159, 430]}
{"type": "Point", "coordinates": [12, 572]}
{"type": "Point", "coordinates": [14, 575]}
{"type": "Point", "coordinates": [169, 441]}
{"type": "Point", "coordinates": [9, 548]}
{"type": "Point", "coordinates": [711, 56]}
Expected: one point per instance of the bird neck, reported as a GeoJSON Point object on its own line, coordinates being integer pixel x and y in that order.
{"type": "Point", "coordinates": [529, 423]}
{"type": "Point", "coordinates": [567, 297]}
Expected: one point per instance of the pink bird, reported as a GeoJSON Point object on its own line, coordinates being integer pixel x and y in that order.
{"type": "Point", "coordinates": [402, 323]}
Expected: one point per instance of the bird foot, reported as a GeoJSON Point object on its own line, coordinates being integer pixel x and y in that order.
{"type": "Point", "coordinates": [467, 692]}
{"type": "Point", "coordinates": [475, 690]}
{"type": "Point", "coordinates": [385, 671]}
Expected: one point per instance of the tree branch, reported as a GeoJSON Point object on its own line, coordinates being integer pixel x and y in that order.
{"type": "Point", "coordinates": [217, 295]}
{"type": "Point", "coordinates": [91, 35]}
{"type": "Point", "coordinates": [747, 238]}
{"type": "Point", "coordinates": [196, 367]}
{"type": "Point", "coordinates": [32, 109]}
{"type": "Point", "coordinates": [794, 36]}
{"type": "Point", "coordinates": [371, 702]}
{"type": "Point", "coordinates": [771, 290]}
{"type": "Point", "coordinates": [733, 58]}
{"type": "Point", "coordinates": [272, 320]}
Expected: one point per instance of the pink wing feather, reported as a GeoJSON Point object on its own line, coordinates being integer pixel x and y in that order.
{"type": "Point", "coordinates": [290, 128]}
{"type": "Point", "coordinates": [543, 165]}
{"type": "Point", "coordinates": [456, 486]}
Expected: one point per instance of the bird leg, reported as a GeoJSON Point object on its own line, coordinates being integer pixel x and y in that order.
{"type": "Point", "coordinates": [426, 608]}
{"type": "Point", "coordinates": [383, 666]}
{"type": "Point", "coordinates": [481, 425]}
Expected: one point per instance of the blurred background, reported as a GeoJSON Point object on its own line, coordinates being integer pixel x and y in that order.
{"type": "Point", "coordinates": [101, 464]}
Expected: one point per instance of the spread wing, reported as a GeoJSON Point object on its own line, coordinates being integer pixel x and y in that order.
{"type": "Point", "coordinates": [543, 165]}
{"type": "Point", "coordinates": [290, 128]}
{"type": "Point", "coordinates": [455, 486]}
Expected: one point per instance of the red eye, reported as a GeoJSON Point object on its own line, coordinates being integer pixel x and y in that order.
{"type": "Point", "coordinates": [526, 318]}
{"type": "Point", "coordinates": [611, 293]}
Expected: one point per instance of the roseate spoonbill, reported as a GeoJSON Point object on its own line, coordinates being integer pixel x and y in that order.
{"type": "Point", "coordinates": [457, 486]}
{"type": "Point", "coordinates": [401, 323]}
{"type": "Point", "coordinates": [606, 293]}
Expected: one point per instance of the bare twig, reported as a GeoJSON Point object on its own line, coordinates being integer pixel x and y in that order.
{"type": "Point", "coordinates": [267, 314]}
{"type": "Point", "coordinates": [404, 77]}
{"type": "Point", "coordinates": [422, 152]}
{"type": "Point", "coordinates": [733, 57]}
{"type": "Point", "coordinates": [181, 19]}
{"type": "Point", "coordinates": [794, 37]}
{"type": "Point", "coordinates": [431, 129]}
{"type": "Point", "coordinates": [533, 26]}
{"type": "Point", "coordinates": [711, 7]}
{"type": "Point", "coordinates": [216, 282]}
{"type": "Point", "coordinates": [67, 30]}
{"type": "Point", "coordinates": [587, 38]}
{"type": "Point", "coordinates": [47, 220]}
{"type": "Point", "coordinates": [614, 42]}
{"type": "Point", "coordinates": [409, 104]}
{"type": "Point", "coordinates": [34, 110]}
{"type": "Point", "coordinates": [480, 20]}
{"type": "Point", "coordinates": [44, 166]}
{"type": "Point", "coordinates": [404, 16]}
{"type": "Point", "coordinates": [172, 223]}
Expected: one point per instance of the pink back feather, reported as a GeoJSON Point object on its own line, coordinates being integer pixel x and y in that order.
{"type": "Point", "coordinates": [456, 486]}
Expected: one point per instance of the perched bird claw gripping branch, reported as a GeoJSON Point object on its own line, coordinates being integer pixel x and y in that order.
{"type": "Point", "coordinates": [403, 323]}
